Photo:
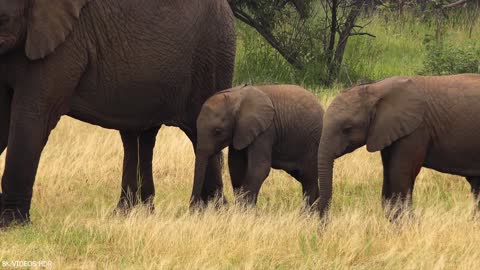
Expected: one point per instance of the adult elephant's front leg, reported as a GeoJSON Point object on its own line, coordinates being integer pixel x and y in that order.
{"type": "Point", "coordinates": [137, 177]}
{"type": "Point", "coordinates": [29, 130]}
{"type": "Point", "coordinates": [5, 101]}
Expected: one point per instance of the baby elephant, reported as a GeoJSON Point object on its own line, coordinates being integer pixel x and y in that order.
{"type": "Point", "coordinates": [415, 122]}
{"type": "Point", "coordinates": [276, 126]}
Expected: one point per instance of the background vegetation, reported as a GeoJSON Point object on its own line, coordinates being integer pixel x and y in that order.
{"type": "Point", "coordinates": [400, 42]}
{"type": "Point", "coordinates": [78, 181]}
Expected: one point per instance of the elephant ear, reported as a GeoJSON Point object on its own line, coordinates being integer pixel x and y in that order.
{"type": "Point", "coordinates": [254, 115]}
{"type": "Point", "coordinates": [398, 112]}
{"type": "Point", "coordinates": [49, 24]}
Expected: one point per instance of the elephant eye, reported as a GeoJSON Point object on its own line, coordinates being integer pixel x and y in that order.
{"type": "Point", "coordinates": [217, 131]}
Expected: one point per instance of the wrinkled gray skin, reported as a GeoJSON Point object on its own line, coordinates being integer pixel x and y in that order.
{"type": "Point", "coordinates": [120, 64]}
{"type": "Point", "coordinates": [276, 126]}
{"type": "Point", "coordinates": [415, 122]}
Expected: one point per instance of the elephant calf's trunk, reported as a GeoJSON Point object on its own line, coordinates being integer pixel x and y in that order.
{"type": "Point", "coordinates": [325, 173]}
{"type": "Point", "coordinates": [201, 162]}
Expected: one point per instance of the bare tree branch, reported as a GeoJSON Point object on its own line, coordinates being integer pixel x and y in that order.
{"type": "Point", "coordinates": [455, 4]}
{"type": "Point", "coordinates": [362, 34]}
{"type": "Point", "coordinates": [242, 16]}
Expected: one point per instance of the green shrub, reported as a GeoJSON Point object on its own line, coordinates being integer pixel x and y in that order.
{"type": "Point", "coordinates": [450, 58]}
{"type": "Point", "coordinates": [258, 63]}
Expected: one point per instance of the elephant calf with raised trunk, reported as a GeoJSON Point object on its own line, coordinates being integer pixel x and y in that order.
{"type": "Point", "coordinates": [415, 122]}
{"type": "Point", "coordinates": [276, 126]}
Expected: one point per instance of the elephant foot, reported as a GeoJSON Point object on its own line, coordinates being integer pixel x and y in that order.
{"type": "Point", "coordinates": [11, 218]}
{"type": "Point", "coordinates": [220, 201]}
{"type": "Point", "coordinates": [246, 199]}
{"type": "Point", "coordinates": [308, 209]}
{"type": "Point", "coordinates": [476, 214]}
{"type": "Point", "coordinates": [197, 205]}
{"type": "Point", "coordinates": [125, 207]}
{"type": "Point", "coordinates": [400, 215]}
{"type": "Point", "coordinates": [211, 195]}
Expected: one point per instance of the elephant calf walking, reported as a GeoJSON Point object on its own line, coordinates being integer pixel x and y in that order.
{"type": "Point", "coordinates": [276, 126]}
{"type": "Point", "coordinates": [415, 122]}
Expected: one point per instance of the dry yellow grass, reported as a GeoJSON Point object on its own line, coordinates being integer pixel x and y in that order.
{"type": "Point", "coordinates": [78, 184]}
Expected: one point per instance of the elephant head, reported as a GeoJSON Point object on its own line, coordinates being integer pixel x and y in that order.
{"type": "Point", "coordinates": [231, 117]}
{"type": "Point", "coordinates": [38, 25]}
{"type": "Point", "coordinates": [375, 115]}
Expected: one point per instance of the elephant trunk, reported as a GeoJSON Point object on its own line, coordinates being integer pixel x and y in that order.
{"type": "Point", "coordinates": [325, 173]}
{"type": "Point", "coordinates": [201, 162]}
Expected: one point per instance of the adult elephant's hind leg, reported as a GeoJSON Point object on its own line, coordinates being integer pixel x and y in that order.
{"type": "Point", "coordinates": [137, 177]}
{"type": "Point", "coordinates": [146, 145]}
{"type": "Point", "coordinates": [309, 181]}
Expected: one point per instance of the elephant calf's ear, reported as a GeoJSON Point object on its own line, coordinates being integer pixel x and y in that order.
{"type": "Point", "coordinates": [254, 116]}
{"type": "Point", "coordinates": [49, 24]}
{"type": "Point", "coordinates": [399, 111]}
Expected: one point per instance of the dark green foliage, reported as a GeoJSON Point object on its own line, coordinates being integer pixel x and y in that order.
{"type": "Point", "coordinates": [397, 48]}
{"type": "Point", "coordinates": [258, 62]}
{"type": "Point", "coordinates": [281, 23]}
{"type": "Point", "coordinates": [451, 58]}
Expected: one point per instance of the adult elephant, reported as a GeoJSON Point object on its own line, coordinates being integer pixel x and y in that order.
{"type": "Point", "coordinates": [120, 64]}
{"type": "Point", "coordinates": [415, 122]}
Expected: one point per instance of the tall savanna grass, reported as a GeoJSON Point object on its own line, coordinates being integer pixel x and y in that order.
{"type": "Point", "coordinates": [78, 185]}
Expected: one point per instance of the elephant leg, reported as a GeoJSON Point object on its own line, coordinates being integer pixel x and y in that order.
{"type": "Point", "coordinates": [475, 187]}
{"type": "Point", "coordinates": [5, 100]}
{"type": "Point", "coordinates": [29, 131]}
{"type": "Point", "coordinates": [259, 162]}
{"type": "Point", "coordinates": [213, 184]}
{"type": "Point", "coordinates": [146, 146]}
{"type": "Point", "coordinates": [237, 164]}
{"type": "Point", "coordinates": [137, 169]}
{"type": "Point", "coordinates": [402, 162]}
{"type": "Point", "coordinates": [309, 181]}
{"type": "Point", "coordinates": [128, 195]}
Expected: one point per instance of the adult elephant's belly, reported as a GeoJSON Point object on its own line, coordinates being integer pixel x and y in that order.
{"type": "Point", "coordinates": [131, 106]}
{"type": "Point", "coordinates": [463, 161]}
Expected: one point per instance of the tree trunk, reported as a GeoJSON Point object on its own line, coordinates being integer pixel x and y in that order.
{"type": "Point", "coordinates": [335, 64]}
{"type": "Point", "coordinates": [333, 32]}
